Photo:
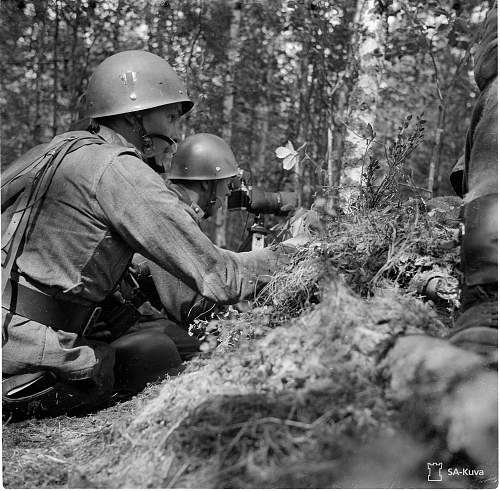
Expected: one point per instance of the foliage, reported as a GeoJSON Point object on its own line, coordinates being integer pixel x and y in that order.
{"type": "Point", "coordinates": [292, 76]}
{"type": "Point", "coordinates": [275, 410]}
{"type": "Point", "coordinates": [388, 187]}
{"type": "Point", "coordinates": [369, 249]}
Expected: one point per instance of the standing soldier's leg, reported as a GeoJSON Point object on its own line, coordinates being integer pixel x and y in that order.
{"type": "Point", "coordinates": [477, 327]}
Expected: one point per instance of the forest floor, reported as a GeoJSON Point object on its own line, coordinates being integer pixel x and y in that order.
{"type": "Point", "coordinates": [293, 393]}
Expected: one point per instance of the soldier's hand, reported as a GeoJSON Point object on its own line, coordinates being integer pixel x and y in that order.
{"type": "Point", "coordinates": [299, 241]}
{"type": "Point", "coordinates": [100, 333]}
{"type": "Point", "coordinates": [287, 249]}
{"type": "Point", "coordinates": [289, 201]}
{"type": "Point", "coordinates": [306, 223]}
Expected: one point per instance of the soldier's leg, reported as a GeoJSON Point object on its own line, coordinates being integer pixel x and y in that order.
{"type": "Point", "coordinates": [48, 373]}
{"type": "Point", "coordinates": [186, 345]}
{"type": "Point", "coordinates": [477, 327]}
{"type": "Point", "coordinates": [143, 356]}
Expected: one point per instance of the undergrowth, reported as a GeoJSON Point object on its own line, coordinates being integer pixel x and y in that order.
{"type": "Point", "coordinates": [379, 248]}
{"type": "Point", "coordinates": [289, 394]}
{"type": "Point", "coordinates": [290, 407]}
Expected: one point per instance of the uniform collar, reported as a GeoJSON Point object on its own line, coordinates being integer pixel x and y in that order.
{"type": "Point", "coordinates": [184, 197]}
{"type": "Point", "coordinates": [112, 136]}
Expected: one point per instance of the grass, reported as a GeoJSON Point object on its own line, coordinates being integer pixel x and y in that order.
{"type": "Point", "coordinates": [291, 397]}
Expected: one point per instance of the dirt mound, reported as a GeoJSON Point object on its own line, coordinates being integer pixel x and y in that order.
{"type": "Point", "coordinates": [282, 401]}
{"type": "Point", "coordinates": [305, 393]}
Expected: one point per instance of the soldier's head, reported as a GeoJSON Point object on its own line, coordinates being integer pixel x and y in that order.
{"type": "Point", "coordinates": [204, 164]}
{"type": "Point", "coordinates": [139, 95]}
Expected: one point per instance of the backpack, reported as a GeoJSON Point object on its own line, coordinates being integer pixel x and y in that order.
{"type": "Point", "coordinates": [23, 189]}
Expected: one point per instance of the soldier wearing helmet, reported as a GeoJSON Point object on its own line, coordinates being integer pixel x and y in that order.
{"type": "Point", "coordinates": [202, 173]}
{"type": "Point", "coordinates": [91, 200]}
{"type": "Point", "coordinates": [203, 167]}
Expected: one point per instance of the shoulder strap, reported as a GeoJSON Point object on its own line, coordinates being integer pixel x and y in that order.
{"type": "Point", "coordinates": [37, 180]}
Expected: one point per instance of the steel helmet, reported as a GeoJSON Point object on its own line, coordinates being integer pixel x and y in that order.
{"type": "Point", "coordinates": [133, 81]}
{"type": "Point", "coordinates": [203, 157]}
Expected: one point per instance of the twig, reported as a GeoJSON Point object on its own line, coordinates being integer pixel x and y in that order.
{"type": "Point", "coordinates": [177, 475]}
{"type": "Point", "coordinates": [55, 459]}
{"type": "Point", "coordinates": [128, 437]}
{"type": "Point", "coordinates": [169, 432]}
{"type": "Point", "coordinates": [168, 466]}
{"type": "Point", "coordinates": [436, 73]}
{"type": "Point", "coordinates": [234, 441]}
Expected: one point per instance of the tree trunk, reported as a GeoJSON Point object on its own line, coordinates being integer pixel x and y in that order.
{"type": "Point", "coordinates": [75, 61]}
{"type": "Point", "coordinates": [305, 89]}
{"type": "Point", "coordinates": [263, 110]}
{"type": "Point", "coordinates": [117, 28]}
{"type": "Point", "coordinates": [335, 147]}
{"type": "Point", "coordinates": [40, 41]}
{"type": "Point", "coordinates": [364, 97]}
{"type": "Point", "coordinates": [55, 87]}
{"type": "Point", "coordinates": [232, 58]}
{"type": "Point", "coordinates": [436, 151]}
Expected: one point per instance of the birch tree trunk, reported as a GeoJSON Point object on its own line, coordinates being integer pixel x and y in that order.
{"type": "Point", "coordinates": [434, 164]}
{"type": "Point", "coordinates": [364, 97]}
{"type": "Point", "coordinates": [55, 78]}
{"type": "Point", "coordinates": [335, 146]}
{"type": "Point", "coordinates": [40, 41]}
{"type": "Point", "coordinates": [75, 60]}
{"type": "Point", "coordinates": [305, 89]}
{"type": "Point", "coordinates": [232, 58]}
{"type": "Point", "coordinates": [263, 110]}
{"type": "Point", "coordinates": [117, 28]}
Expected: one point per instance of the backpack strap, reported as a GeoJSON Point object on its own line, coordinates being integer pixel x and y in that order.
{"type": "Point", "coordinates": [32, 196]}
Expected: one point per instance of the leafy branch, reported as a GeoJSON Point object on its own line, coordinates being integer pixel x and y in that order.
{"type": "Point", "coordinates": [375, 191]}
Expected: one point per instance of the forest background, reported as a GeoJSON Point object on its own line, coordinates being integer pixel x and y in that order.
{"type": "Point", "coordinates": [336, 79]}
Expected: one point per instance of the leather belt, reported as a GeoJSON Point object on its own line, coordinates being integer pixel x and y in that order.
{"type": "Point", "coordinates": [61, 315]}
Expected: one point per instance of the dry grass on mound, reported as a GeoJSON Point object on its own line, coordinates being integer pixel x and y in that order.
{"type": "Point", "coordinates": [288, 409]}
{"type": "Point", "coordinates": [285, 404]}
{"type": "Point", "coordinates": [380, 248]}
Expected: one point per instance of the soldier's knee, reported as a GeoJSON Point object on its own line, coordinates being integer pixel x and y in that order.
{"type": "Point", "coordinates": [141, 357]}
{"type": "Point", "coordinates": [480, 241]}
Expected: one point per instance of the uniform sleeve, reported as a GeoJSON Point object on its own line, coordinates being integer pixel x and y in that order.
{"type": "Point", "coordinates": [152, 221]}
{"type": "Point", "coordinates": [183, 304]}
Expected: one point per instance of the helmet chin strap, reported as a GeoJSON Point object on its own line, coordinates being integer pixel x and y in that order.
{"type": "Point", "coordinates": [165, 138]}
{"type": "Point", "coordinates": [147, 139]}
{"type": "Point", "coordinates": [213, 197]}
{"type": "Point", "coordinates": [148, 145]}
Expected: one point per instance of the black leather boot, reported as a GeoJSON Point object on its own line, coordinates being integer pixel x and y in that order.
{"type": "Point", "coordinates": [477, 327]}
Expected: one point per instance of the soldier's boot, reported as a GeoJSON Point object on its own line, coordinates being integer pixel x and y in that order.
{"type": "Point", "coordinates": [477, 327]}
{"type": "Point", "coordinates": [49, 394]}
{"type": "Point", "coordinates": [43, 394]}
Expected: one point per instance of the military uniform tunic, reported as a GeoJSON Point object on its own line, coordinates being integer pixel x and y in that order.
{"type": "Point", "coordinates": [103, 205]}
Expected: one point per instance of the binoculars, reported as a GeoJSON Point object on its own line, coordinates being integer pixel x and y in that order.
{"type": "Point", "coordinates": [256, 200]}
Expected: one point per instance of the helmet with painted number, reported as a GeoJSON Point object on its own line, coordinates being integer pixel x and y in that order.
{"type": "Point", "coordinates": [203, 157]}
{"type": "Point", "coordinates": [133, 81]}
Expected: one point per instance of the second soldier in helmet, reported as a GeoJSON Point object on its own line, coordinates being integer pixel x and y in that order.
{"type": "Point", "coordinates": [103, 203]}
{"type": "Point", "coordinates": [201, 174]}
